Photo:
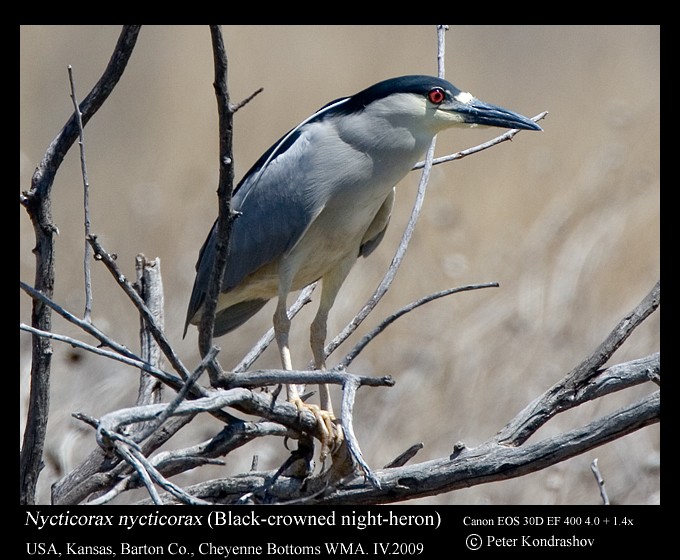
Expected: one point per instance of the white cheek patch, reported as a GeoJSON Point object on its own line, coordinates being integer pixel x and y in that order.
{"type": "Point", "coordinates": [464, 97]}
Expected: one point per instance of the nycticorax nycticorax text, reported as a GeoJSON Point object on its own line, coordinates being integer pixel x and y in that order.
{"type": "Point", "coordinates": [322, 196]}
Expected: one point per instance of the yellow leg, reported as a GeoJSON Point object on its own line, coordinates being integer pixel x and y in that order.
{"type": "Point", "coordinates": [331, 433]}
{"type": "Point", "coordinates": [317, 338]}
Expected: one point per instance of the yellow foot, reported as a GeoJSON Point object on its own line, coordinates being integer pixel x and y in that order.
{"type": "Point", "coordinates": [331, 431]}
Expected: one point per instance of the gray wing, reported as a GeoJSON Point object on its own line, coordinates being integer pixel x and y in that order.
{"type": "Point", "coordinates": [274, 214]}
{"type": "Point", "coordinates": [376, 231]}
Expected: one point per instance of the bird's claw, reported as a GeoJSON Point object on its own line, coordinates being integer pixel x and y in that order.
{"type": "Point", "coordinates": [331, 436]}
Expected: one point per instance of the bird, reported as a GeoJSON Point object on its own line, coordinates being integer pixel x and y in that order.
{"type": "Point", "coordinates": [320, 198]}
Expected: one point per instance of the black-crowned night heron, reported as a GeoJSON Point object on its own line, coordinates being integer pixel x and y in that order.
{"type": "Point", "coordinates": [322, 196]}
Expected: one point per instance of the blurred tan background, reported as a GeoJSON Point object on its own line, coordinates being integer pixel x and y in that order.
{"type": "Point", "coordinates": [567, 221]}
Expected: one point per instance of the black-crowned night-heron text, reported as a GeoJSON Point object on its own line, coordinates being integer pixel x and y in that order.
{"type": "Point", "coordinates": [321, 197]}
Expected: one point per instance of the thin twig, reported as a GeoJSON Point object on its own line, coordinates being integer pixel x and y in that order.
{"type": "Point", "coordinates": [114, 421]}
{"type": "Point", "coordinates": [404, 457]}
{"type": "Point", "coordinates": [129, 450]}
{"type": "Point", "coordinates": [96, 474]}
{"type": "Point", "coordinates": [126, 453]}
{"type": "Point", "coordinates": [133, 361]}
{"type": "Point", "coordinates": [235, 107]}
{"type": "Point", "coordinates": [86, 326]}
{"type": "Point", "coordinates": [43, 177]}
{"type": "Point", "coordinates": [181, 395]}
{"type": "Point", "coordinates": [256, 351]}
{"type": "Point", "coordinates": [159, 336]}
{"type": "Point", "coordinates": [600, 481]}
{"type": "Point", "coordinates": [351, 356]}
{"type": "Point", "coordinates": [196, 391]}
{"type": "Point", "coordinates": [505, 137]}
{"type": "Point", "coordinates": [441, 51]}
{"type": "Point", "coordinates": [617, 337]}
{"type": "Point", "coordinates": [86, 197]}
{"type": "Point", "coordinates": [349, 390]}
{"type": "Point", "coordinates": [157, 477]}
{"type": "Point", "coordinates": [225, 216]}
{"type": "Point", "coordinates": [115, 490]}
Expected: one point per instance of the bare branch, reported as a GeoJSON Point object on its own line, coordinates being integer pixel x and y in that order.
{"type": "Point", "coordinates": [132, 454]}
{"type": "Point", "coordinates": [150, 288]}
{"type": "Point", "coordinates": [235, 107]}
{"type": "Point", "coordinates": [561, 395]}
{"type": "Point", "coordinates": [43, 177]}
{"type": "Point", "coordinates": [125, 452]}
{"type": "Point", "coordinates": [37, 202]}
{"type": "Point", "coordinates": [404, 457]}
{"type": "Point", "coordinates": [224, 189]}
{"type": "Point", "coordinates": [351, 356]}
{"type": "Point", "coordinates": [146, 467]}
{"type": "Point", "coordinates": [600, 481]}
{"type": "Point", "coordinates": [488, 462]}
{"type": "Point", "coordinates": [181, 395]}
{"type": "Point", "coordinates": [86, 197]}
{"type": "Point", "coordinates": [129, 360]}
{"type": "Point", "coordinates": [617, 337]}
{"type": "Point", "coordinates": [158, 335]}
{"type": "Point", "coordinates": [619, 377]}
{"type": "Point", "coordinates": [101, 472]}
{"type": "Point", "coordinates": [86, 326]}
{"type": "Point", "coordinates": [349, 390]}
{"type": "Point", "coordinates": [505, 137]}
{"type": "Point", "coordinates": [337, 376]}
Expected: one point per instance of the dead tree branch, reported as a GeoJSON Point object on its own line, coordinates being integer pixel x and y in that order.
{"type": "Point", "coordinates": [225, 215]}
{"type": "Point", "coordinates": [37, 202]}
{"type": "Point", "coordinates": [565, 394]}
{"type": "Point", "coordinates": [489, 462]}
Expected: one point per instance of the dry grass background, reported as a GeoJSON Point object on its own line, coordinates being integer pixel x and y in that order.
{"type": "Point", "coordinates": [567, 221]}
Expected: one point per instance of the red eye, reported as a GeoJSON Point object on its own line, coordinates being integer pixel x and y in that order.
{"type": "Point", "coordinates": [436, 95]}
